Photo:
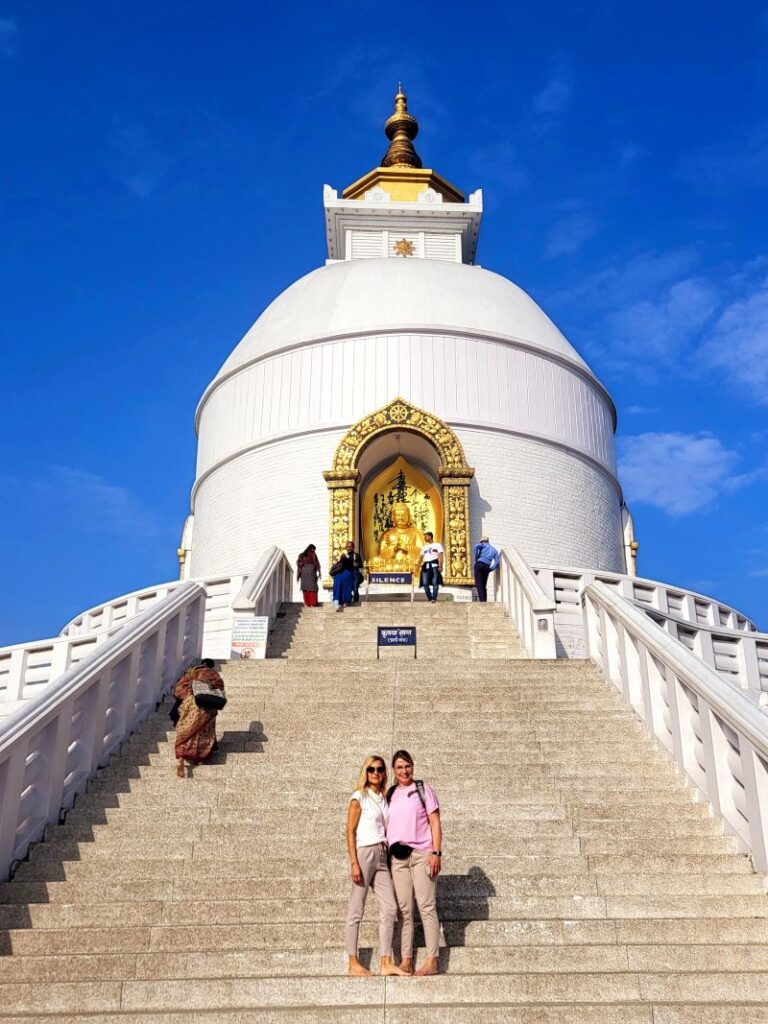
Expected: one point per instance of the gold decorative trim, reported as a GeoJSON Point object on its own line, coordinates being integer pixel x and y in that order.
{"type": "Point", "coordinates": [455, 477]}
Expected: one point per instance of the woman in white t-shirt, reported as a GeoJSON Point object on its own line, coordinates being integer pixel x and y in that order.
{"type": "Point", "coordinates": [367, 847]}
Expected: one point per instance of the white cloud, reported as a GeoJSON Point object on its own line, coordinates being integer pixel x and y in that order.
{"type": "Point", "coordinates": [9, 34]}
{"type": "Point", "coordinates": [653, 331]}
{"type": "Point", "coordinates": [677, 473]}
{"type": "Point", "coordinates": [569, 233]}
{"type": "Point", "coordinates": [557, 93]}
{"type": "Point", "coordinates": [738, 344]}
{"type": "Point", "coordinates": [94, 502]}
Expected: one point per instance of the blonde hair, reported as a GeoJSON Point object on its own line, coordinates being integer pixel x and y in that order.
{"type": "Point", "coordinates": [362, 780]}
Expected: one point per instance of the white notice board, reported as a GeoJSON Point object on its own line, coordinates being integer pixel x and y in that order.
{"type": "Point", "coordinates": [249, 636]}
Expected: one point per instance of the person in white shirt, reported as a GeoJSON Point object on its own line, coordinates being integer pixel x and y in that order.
{"type": "Point", "coordinates": [367, 847]}
{"type": "Point", "coordinates": [431, 567]}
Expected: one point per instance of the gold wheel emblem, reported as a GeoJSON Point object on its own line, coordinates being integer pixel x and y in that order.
{"type": "Point", "coordinates": [404, 247]}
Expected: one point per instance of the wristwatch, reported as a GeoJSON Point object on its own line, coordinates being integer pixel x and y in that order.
{"type": "Point", "coordinates": [437, 853]}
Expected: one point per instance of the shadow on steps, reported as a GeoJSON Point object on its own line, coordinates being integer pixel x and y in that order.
{"type": "Point", "coordinates": [461, 900]}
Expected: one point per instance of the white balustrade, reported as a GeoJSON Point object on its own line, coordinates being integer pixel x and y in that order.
{"type": "Point", "coordinates": [715, 733]}
{"type": "Point", "coordinates": [53, 744]}
{"type": "Point", "coordinates": [526, 603]}
{"type": "Point", "coordinates": [721, 636]}
{"type": "Point", "coordinates": [267, 587]}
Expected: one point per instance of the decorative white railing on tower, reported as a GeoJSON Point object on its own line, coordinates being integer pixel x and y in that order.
{"type": "Point", "coordinates": [526, 603]}
{"type": "Point", "coordinates": [717, 735]}
{"type": "Point", "coordinates": [721, 636]}
{"type": "Point", "coordinates": [53, 744]}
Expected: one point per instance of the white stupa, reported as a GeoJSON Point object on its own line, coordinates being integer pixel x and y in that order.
{"type": "Point", "coordinates": [400, 356]}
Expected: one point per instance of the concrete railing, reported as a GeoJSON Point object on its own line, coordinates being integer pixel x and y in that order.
{"type": "Point", "coordinates": [526, 603]}
{"type": "Point", "coordinates": [693, 613]}
{"type": "Point", "coordinates": [267, 587]}
{"type": "Point", "coordinates": [53, 744]}
{"type": "Point", "coordinates": [717, 736]}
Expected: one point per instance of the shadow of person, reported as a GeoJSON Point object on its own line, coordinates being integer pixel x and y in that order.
{"type": "Point", "coordinates": [461, 899]}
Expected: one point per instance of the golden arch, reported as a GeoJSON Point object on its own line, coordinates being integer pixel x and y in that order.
{"type": "Point", "coordinates": [455, 477]}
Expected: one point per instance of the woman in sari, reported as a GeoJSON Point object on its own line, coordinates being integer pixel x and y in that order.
{"type": "Point", "coordinates": [307, 574]}
{"type": "Point", "coordinates": [195, 727]}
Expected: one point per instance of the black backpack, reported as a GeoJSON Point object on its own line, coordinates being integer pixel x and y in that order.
{"type": "Point", "coordinates": [419, 784]}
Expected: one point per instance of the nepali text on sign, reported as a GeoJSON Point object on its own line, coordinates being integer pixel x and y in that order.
{"type": "Point", "coordinates": [397, 636]}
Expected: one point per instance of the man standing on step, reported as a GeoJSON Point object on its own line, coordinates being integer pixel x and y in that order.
{"type": "Point", "coordinates": [431, 567]}
{"type": "Point", "coordinates": [357, 571]}
{"type": "Point", "coordinates": [486, 560]}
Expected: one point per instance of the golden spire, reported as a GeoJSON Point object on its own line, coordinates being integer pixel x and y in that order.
{"type": "Point", "coordinates": [401, 129]}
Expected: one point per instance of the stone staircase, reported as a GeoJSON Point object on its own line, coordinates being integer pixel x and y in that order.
{"type": "Point", "coordinates": [466, 630]}
{"type": "Point", "coordinates": [581, 882]}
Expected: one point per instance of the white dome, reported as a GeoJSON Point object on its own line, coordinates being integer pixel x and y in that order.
{"type": "Point", "coordinates": [373, 295]}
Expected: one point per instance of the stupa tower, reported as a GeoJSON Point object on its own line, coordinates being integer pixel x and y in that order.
{"type": "Point", "coordinates": [401, 356]}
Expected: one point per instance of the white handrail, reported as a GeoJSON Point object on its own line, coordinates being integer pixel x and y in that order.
{"type": "Point", "coordinates": [717, 736]}
{"type": "Point", "coordinates": [268, 586]}
{"type": "Point", "coordinates": [526, 603]}
{"type": "Point", "coordinates": [54, 743]}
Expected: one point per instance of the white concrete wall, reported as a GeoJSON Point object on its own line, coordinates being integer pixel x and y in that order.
{"type": "Point", "coordinates": [553, 505]}
{"type": "Point", "coordinates": [461, 379]}
{"type": "Point", "coordinates": [538, 497]}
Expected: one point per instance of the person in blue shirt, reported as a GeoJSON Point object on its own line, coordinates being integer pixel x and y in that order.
{"type": "Point", "coordinates": [486, 560]}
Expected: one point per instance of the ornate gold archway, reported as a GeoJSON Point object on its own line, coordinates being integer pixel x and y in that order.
{"type": "Point", "coordinates": [455, 477]}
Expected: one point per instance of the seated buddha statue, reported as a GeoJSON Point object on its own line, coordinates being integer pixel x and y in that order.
{"type": "Point", "coordinates": [400, 546]}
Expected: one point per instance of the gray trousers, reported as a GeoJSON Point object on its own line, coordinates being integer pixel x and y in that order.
{"type": "Point", "coordinates": [376, 876]}
{"type": "Point", "coordinates": [411, 878]}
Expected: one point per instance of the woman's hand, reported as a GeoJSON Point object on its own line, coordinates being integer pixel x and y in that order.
{"type": "Point", "coordinates": [356, 874]}
{"type": "Point", "coordinates": [433, 866]}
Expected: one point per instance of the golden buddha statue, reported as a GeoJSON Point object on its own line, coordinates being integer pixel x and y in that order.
{"type": "Point", "coordinates": [400, 546]}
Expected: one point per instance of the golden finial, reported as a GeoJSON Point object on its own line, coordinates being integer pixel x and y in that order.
{"type": "Point", "coordinates": [401, 129]}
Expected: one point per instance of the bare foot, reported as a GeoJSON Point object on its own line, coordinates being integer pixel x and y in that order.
{"type": "Point", "coordinates": [356, 968]}
{"type": "Point", "coordinates": [406, 966]}
{"type": "Point", "coordinates": [429, 968]}
{"type": "Point", "coordinates": [181, 771]}
{"type": "Point", "coordinates": [388, 969]}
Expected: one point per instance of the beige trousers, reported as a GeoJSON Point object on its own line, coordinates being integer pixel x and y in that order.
{"type": "Point", "coordinates": [411, 878]}
{"type": "Point", "coordinates": [376, 876]}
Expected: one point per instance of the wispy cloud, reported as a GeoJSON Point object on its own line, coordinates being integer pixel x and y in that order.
{"type": "Point", "coordinates": [570, 232]}
{"type": "Point", "coordinates": [631, 153]}
{"type": "Point", "coordinates": [759, 572]}
{"type": "Point", "coordinates": [677, 473]}
{"type": "Point", "coordinates": [737, 346]}
{"type": "Point", "coordinates": [9, 35]}
{"type": "Point", "coordinates": [741, 162]}
{"type": "Point", "coordinates": [557, 93]}
{"type": "Point", "coordinates": [104, 507]}
{"type": "Point", "coordinates": [499, 164]}
{"type": "Point", "coordinates": [141, 164]}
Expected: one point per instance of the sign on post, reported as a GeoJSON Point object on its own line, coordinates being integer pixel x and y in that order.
{"type": "Point", "coordinates": [249, 636]}
{"type": "Point", "coordinates": [396, 636]}
{"type": "Point", "coordinates": [391, 577]}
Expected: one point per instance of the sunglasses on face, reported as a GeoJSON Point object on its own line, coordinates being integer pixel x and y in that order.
{"type": "Point", "coordinates": [376, 771]}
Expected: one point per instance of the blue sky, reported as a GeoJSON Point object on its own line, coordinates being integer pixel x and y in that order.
{"type": "Point", "coordinates": [162, 182]}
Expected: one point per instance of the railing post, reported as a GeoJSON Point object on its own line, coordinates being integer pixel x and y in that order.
{"type": "Point", "coordinates": [755, 778]}
{"type": "Point", "coordinates": [11, 781]}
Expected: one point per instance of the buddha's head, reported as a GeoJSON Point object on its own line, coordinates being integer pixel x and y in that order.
{"type": "Point", "coordinates": [400, 515]}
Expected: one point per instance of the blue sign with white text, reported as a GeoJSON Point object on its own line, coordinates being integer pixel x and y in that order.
{"type": "Point", "coordinates": [397, 636]}
{"type": "Point", "coordinates": [390, 577]}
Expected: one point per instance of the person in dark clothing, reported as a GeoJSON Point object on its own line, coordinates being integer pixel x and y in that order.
{"type": "Point", "coordinates": [486, 560]}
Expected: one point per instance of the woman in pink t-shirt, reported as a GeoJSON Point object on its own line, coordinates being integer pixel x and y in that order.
{"type": "Point", "coordinates": [414, 837]}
